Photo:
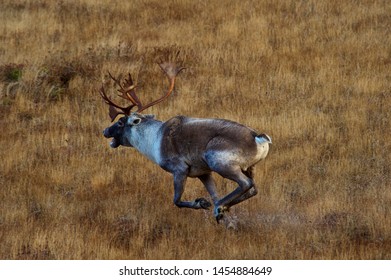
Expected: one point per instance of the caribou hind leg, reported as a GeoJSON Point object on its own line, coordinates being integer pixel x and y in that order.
{"type": "Point", "coordinates": [242, 192]}
{"type": "Point", "coordinates": [227, 165]}
{"type": "Point", "coordinates": [210, 186]}
{"type": "Point", "coordinates": [250, 193]}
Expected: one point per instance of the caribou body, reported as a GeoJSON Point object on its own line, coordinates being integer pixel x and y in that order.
{"type": "Point", "coordinates": [190, 147]}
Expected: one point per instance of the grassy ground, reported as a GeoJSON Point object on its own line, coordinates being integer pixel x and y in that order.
{"type": "Point", "coordinates": [314, 75]}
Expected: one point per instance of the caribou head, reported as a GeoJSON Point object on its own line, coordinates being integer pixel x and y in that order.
{"type": "Point", "coordinates": [131, 120]}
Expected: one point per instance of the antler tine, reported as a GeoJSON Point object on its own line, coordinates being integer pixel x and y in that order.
{"type": "Point", "coordinates": [127, 90]}
{"type": "Point", "coordinates": [131, 93]}
{"type": "Point", "coordinates": [171, 70]}
{"type": "Point", "coordinates": [118, 83]}
{"type": "Point", "coordinates": [114, 109]}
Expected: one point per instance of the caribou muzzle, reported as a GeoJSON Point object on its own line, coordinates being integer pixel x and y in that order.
{"type": "Point", "coordinates": [115, 143]}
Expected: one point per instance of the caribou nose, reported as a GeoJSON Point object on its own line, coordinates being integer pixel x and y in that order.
{"type": "Point", "coordinates": [106, 133]}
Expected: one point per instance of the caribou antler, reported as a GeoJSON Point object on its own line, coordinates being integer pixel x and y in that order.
{"type": "Point", "coordinates": [114, 109]}
{"type": "Point", "coordinates": [127, 90]}
{"type": "Point", "coordinates": [171, 71]}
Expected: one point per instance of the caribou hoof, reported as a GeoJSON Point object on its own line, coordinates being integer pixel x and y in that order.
{"type": "Point", "coordinates": [219, 213]}
{"type": "Point", "coordinates": [202, 203]}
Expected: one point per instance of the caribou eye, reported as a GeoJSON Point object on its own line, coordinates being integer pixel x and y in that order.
{"type": "Point", "coordinates": [120, 123]}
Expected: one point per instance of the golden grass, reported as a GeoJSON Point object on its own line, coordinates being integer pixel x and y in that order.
{"type": "Point", "coordinates": [315, 75]}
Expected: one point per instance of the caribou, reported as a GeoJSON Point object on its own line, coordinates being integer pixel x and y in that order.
{"type": "Point", "coordinates": [188, 147]}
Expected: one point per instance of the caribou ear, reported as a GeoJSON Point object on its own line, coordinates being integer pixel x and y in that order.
{"type": "Point", "coordinates": [133, 120]}
{"type": "Point", "coordinates": [136, 121]}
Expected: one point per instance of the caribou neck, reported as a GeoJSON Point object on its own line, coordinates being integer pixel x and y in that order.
{"type": "Point", "coordinates": [147, 139]}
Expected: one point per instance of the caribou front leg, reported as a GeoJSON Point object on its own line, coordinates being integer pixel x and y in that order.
{"type": "Point", "coordinates": [179, 187]}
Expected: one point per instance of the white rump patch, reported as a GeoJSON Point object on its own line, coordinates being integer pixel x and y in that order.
{"type": "Point", "coordinates": [263, 141]}
{"type": "Point", "coordinates": [263, 138]}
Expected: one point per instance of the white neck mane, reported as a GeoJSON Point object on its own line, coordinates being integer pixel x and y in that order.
{"type": "Point", "coordinates": [147, 140]}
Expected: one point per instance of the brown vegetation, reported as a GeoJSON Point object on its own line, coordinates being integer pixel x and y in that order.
{"type": "Point", "coordinates": [314, 75]}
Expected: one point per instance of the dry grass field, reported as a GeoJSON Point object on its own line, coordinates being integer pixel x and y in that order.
{"type": "Point", "coordinates": [314, 75]}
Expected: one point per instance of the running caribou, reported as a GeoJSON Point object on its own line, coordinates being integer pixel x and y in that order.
{"type": "Point", "coordinates": [189, 147]}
